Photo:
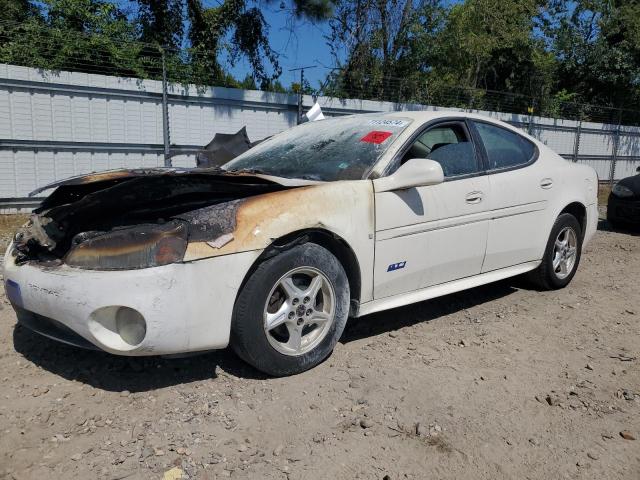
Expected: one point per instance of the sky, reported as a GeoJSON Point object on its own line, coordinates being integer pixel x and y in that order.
{"type": "Point", "coordinates": [300, 46]}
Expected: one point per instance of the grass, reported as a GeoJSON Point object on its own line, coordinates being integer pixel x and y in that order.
{"type": "Point", "coordinates": [8, 226]}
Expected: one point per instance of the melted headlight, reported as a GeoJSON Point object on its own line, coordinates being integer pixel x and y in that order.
{"type": "Point", "coordinates": [142, 246]}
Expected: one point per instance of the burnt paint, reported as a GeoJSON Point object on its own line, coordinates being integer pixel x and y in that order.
{"type": "Point", "coordinates": [262, 219]}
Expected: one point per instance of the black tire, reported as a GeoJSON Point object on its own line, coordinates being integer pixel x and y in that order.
{"type": "Point", "coordinates": [544, 277]}
{"type": "Point", "coordinates": [248, 337]}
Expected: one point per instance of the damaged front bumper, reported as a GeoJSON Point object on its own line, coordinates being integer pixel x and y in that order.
{"type": "Point", "coordinates": [176, 308]}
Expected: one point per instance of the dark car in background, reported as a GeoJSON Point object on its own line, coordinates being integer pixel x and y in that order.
{"type": "Point", "coordinates": [623, 208]}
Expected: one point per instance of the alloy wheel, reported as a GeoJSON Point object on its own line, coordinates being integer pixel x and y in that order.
{"type": "Point", "coordinates": [299, 311]}
{"type": "Point", "coordinates": [564, 252]}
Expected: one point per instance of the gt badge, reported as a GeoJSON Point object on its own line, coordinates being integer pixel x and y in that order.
{"type": "Point", "coordinates": [396, 266]}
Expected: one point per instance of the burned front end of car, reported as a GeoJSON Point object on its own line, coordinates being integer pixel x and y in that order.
{"type": "Point", "coordinates": [101, 263]}
{"type": "Point", "coordinates": [134, 222]}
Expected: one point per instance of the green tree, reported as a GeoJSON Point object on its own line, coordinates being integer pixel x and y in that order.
{"type": "Point", "coordinates": [489, 44]}
{"type": "Point", "coordinates": [81, 35]}
{"type": "Point", "coordinates": [597, 44]}
{"type": "Point", "coordinates": [161, 22]}
{"type": "Point", "coordinates": [387, 47]}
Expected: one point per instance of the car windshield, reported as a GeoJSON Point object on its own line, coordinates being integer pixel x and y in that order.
{"type": "Point", "coordinates": [343, 148]}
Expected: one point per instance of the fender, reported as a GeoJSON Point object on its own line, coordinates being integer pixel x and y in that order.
{"type": "Point", "coordinates": [343, 208]}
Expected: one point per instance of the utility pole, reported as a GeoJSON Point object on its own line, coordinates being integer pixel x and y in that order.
{"type": "Point", "coordinates": [616, 145]}
{"type": "Point", "coordinates": [300, 90]}
{"type": "Point", "coordinates": [165, 115]}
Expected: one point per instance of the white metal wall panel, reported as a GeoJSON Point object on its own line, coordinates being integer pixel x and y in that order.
{"type": "Point", "coordinates": [629, 145]}
{"type": "Point", "coordinates": [26, 171]}
{"type": "Point", "coordinates": [81, 119]}
{"type": "Point", "coordinates": [116, 125]}
{"type": "Point", "coordinates": [560, 142]}
{"type": "Point", "coordinates": [65, 165]}
{"type": "Point", "coordinates": [46, 167]}
{"type": "Point", "coordinates": [41, 111]}
{"type": "Point", "coordinates": [626, 168]}
{"type": "Point", "coordinates": [601, 166]}
{"type": "Point", "coordinates": [7, 174]}
{"type": "Point", "coordinates": [133, 132]}
{"type": "Point", "coordinates": [99, 119]}
{"type": "Point", "coordinates": [62, 118]}
{"type": "Point", "coordinates": [595, 144]}
{"type": "Point", "coordinates": [152, 122]}
{"type": "Point", "coordinates": [5, 114]}
{"type": "Point", "coordinates": [20, 115]}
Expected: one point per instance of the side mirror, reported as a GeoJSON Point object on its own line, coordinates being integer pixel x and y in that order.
{"type": "Point", "coordinates": [417, 172]}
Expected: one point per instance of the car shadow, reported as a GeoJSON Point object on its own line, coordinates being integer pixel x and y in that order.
{"type": "Point", "coordinates": [396, 318]}
{"type": "Point", "coordinates": [135, 374]}
{"type": "Point", "coordinates": [141, 374]}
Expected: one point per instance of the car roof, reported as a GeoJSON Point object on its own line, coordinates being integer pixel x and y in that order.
{"type": "Point", "coordinates": [422, 116]}
{"type": "Point", "coordinates": [425, 115]}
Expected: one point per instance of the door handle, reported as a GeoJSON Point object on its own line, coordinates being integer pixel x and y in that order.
{"type": "Point", "coordinates": [474, 197]}
{"type": "Point", "coordinates": [546, 183]}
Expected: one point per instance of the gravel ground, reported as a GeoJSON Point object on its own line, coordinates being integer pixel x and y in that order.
{"type": "Point", "coordinates": [496, 382]}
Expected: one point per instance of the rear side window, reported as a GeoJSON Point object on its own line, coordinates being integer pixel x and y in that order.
{"type": "Point", "coordinates": [505, 149]}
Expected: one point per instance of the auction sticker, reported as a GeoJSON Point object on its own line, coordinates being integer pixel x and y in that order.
{"type": "Point", "coordinates": [387, 122]}
{"type": "Point", "coordinates": [376, 136]}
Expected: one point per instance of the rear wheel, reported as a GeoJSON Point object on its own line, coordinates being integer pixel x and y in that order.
{"type": "Point", "coordinates": [291, 311]}
{"type": "Point", "coordinates": [561, 256]}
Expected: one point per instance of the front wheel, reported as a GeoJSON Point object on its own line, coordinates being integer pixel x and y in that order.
{"type": "Point", "coordinates": [291, 311]}
{"type": "Point", "coordinates": [561, 256]}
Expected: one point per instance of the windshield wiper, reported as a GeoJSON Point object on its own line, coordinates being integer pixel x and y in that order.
{"type": "Point", "coordinates": [247, 170]}
{"type": "Point", "coordinates": [257, 171]}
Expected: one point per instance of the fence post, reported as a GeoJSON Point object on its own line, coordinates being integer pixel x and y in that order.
{"type": "Point", "coordinates": [165, 115]}
{"type": "Point", "coordinates": [531, 110]}
{"type": "Point", "coordinates": [616, 142]}
{"type": "Point", "coordinates": [576, 142]}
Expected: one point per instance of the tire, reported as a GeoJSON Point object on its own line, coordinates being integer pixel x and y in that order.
{"type": "Point", "coordinates": [274, 294]}
{"type": "Point", "coordinates": [546, 277]}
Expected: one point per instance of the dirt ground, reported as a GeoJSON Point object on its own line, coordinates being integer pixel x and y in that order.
{"type": "Point", "coordinates": [496, 382]}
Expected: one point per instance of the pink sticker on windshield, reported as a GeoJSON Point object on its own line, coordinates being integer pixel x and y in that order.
{"type": "Point", "coordinates": [376, 136]}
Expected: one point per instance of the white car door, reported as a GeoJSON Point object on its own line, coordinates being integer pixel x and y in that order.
{"type": "Point", "coordinates": [522, 186]}
{"type": "Point", "coordinates": [433, 234]}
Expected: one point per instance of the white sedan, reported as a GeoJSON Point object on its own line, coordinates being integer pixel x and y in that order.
{"type": "Point", "coordinates": [272, 253]}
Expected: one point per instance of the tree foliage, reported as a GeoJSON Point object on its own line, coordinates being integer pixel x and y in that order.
{"type": "Point", "coordinates": [547, 55]}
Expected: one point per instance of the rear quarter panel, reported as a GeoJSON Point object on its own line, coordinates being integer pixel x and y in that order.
{"type": "Point", "coordinates": [573, 183]}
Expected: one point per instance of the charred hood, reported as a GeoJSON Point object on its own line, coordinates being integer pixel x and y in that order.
{"type": "Point", "coordinates": [203, 200]}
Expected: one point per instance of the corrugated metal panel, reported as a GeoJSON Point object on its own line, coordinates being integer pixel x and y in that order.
{"type": "Point", "coordinates": [626, 167]}
{"type": "Point", "coordinates": [595, 144]}
{"type": "Point", "coordinates": [601, 167]}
